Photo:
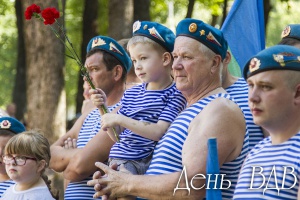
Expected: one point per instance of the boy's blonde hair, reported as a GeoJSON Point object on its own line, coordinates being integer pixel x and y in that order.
{"type": "Point", "coordinates": [145, 40]}
{"type": "Point", "coordinates": [32, 144]}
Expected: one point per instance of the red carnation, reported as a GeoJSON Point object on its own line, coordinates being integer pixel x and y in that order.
{"type": "Point", "coordinates": [30, 10]}
{"type": "Point", "coordinates": [49, 15]}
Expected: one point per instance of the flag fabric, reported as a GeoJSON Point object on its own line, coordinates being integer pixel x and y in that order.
{"type": "Point", "coordinates": [244, 30]}
{"type": "Point", "coordinates": [213, 191]}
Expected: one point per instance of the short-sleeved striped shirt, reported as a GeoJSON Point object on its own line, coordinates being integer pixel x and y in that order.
{"type": "Point", "coordinates": [4, 185]}
{"type": "Point", "coordinates": [90, 127]}
{"type": "Point", "coordinates": [278, 163]}
{"type": "Point", "coordinates": [239, 92]}
{"type": "Point", "coordinates": [167, 157]}
{"type": "Point", "coordinates": [149, 106]}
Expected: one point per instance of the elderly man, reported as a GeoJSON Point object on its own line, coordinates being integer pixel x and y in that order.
{"type": "Point", "coordinates": [271, 170]}
{"type": "Point", "coordinates": [107, 63]}
{"type": "Point", "coordinates": [198, 54]}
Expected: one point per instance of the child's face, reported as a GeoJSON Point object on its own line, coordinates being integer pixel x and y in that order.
{"type": "Point", "coordinates": [148, 62]}
{"type": "Point", "coordinates": [3, 141]}
{"type": "Point", "coordinates": [23, 174]}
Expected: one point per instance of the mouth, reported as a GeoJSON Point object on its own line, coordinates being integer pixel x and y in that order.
{"type": "Point", "coordinates": [142, 74]}
{"type": "Point", "coordinates": [256, 111]}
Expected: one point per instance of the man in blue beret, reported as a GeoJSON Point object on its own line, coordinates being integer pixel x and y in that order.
{"type": "Point", "coordinates": [8, 128]}
{"type": "Point", "coordinates": [180, 156]}
{"type": "Point", "coordinates": [107, 64]}
{"type": "Point", "coordinates": [291, 35]}
{"type": "Point", "coordinates": [271, 169]}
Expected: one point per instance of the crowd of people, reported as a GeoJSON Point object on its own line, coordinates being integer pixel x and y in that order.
{"type": "Point", "coordinates": [147, 131]}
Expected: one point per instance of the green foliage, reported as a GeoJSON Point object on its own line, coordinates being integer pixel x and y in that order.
{"type": "Point", "coordinates": [8, 52]}
{"type": "Point", "coordinates": [282, 14]}
{"type": "Point", "coordinates": [214, 6]}
{"type": "Point", "coordinates": [73, 24]}
{"type": "Point", "coordinates": [103, 17]}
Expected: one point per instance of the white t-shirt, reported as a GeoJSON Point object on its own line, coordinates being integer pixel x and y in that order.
{"type": "Point", "coordinates": [36, 193]}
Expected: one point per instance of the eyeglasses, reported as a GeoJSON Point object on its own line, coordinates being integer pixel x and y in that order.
{"type": "Point", "coordinates": [18, 160]}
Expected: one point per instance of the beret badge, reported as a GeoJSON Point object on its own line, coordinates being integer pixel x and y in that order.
{"type": "Point", "coordinates": [98, 42]}
{"type": "Point", "coordinates": [284, 58]}
{"type": "Point", "coordinates": [193, 27]}
{"type": "Point", "coordinates": [155, 34]}
{"type": "Point", "coordinates": [113, 48]}
{"type": "Point", "coordinates": [286, 32]}
{"type": "Point", "coordinates": [136, 26]}
{"type": "Point", "coordinates": [254, 65]}
{"type": "Point", "coordinates": [5, 124]}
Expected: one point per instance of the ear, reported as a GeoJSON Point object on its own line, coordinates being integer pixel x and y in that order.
{"type": "Point", "coordinates": [167, 59]}
{"type": "Point", "coordinates": [227, 59]}
{"type": "Point", "coordinates": [117, 72]}
{"type": "Point", "coordinates": [41, 165]}
{"type": "Point", "coordinates": [216, 64]}
{"type": "Point", "coordinates": [297, 94]}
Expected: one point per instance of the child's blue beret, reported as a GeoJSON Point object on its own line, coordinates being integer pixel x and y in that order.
{"type": "Point", "coordinates": [209, 36]}
{"type": "Point", "coordinates": [11, 124]}
{"type": "Point", "coordinates": [112, 47]}
{"type": "Point", "coordinates": [278, 57]}
{"type": "Point", "coordinates": [291, 31]}
{"type": "Point", "coordinates": [156, 32]}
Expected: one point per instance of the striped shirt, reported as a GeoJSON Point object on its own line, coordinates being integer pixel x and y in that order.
{"type": "Point", "coordinates": [239, 92]}
{"type": "Point", "coordinates": [149, 106]}
{"type": "Point", "coordinates": [271, 161]}
{"type": "Point", "coordinates": [167, 157]}
{"type": "Point", "coordinates": [4, 185]}
{"type": "Point", "coordinates": [90, 127]}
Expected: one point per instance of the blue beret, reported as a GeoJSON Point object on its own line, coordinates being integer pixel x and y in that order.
{"type": "Point", "coordinates": [112, 47]}
{"type": "Point", "coordinates": [156, 32]}
{"type": "Point", "coordinates": [278, 57]}
{"type": "Point", "coordinates": [11, 124]}
{"type": "Point", "coordinates": [291, 31]}
{"type": "Point", "coordinates": [209, 36]}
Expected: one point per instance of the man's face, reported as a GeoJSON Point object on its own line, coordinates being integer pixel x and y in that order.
{"type": "Point", "coordinates": [270, 99]}
{"type": "Point", "coordinates": [100, 76]}
{"type": "Point", "coordinates": [191, 67]}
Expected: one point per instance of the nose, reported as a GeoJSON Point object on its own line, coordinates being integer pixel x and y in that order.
{"type": "Point", "coordinates": [137, 66]}
{"type": "Point", "coordinates": [177, 65]}
{"type": "Point", "coordinates": [253, 95]}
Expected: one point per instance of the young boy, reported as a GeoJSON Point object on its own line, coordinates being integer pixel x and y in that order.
{"type": "Point", "coordinates": [8, 128]}
{"type": "Point", "coordinates": [147, 109]}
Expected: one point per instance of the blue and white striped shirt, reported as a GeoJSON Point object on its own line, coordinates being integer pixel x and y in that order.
{"type": "Point", "coordinates": [150, 106]}
{"type": "Point", "coordinates": [239, 92]}
{"type": "Point", "coordinates": [167, 157]}
{"type": "Point", "coordinates": [90, 127]}
{"type": "Point", "coordinates": [4, 185]}
{"type": "Point", "coordinates": [271, 161]}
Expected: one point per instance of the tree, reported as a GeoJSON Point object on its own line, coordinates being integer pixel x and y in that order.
{"type": "Point", "coordinates": [45, 82]}
{"type": "Point", "coordinates": [19, 91]}
{"type": "Point", "coordinates": [141, 10]}
{"type": "Point", "coordinates": [120, 19]}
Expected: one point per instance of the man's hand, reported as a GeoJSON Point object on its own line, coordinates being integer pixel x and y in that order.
{"type": "Point", "coordinates": [112, 184]}
{"type": "Point", "coordinates": [98, 97]}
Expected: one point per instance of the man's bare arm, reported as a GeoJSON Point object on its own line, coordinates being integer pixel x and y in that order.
{"type": "Point", "coordinates": [59, 155]}
{"type": "Point", "coordinates": [82, 163]}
